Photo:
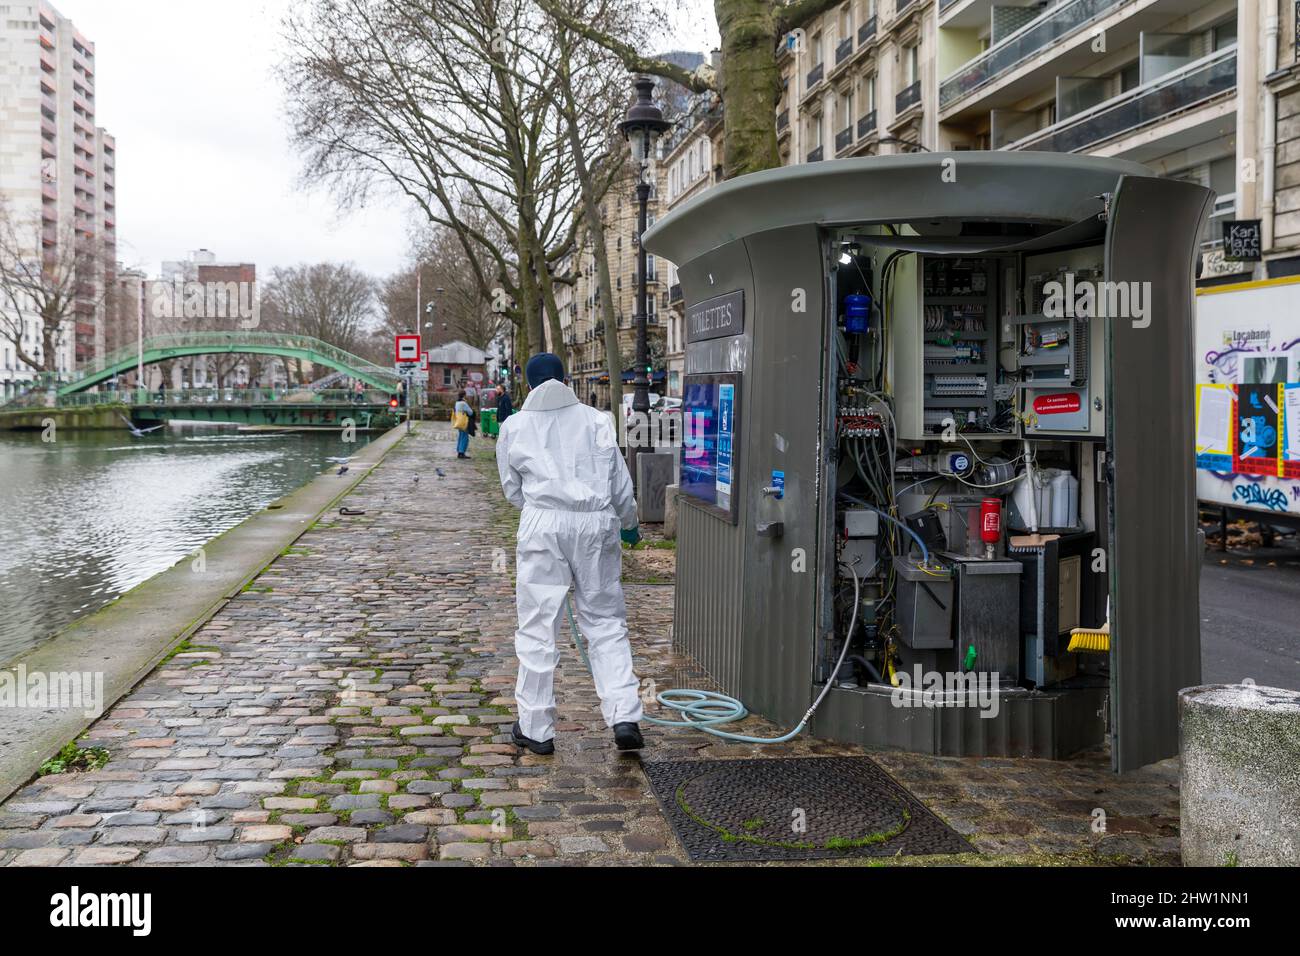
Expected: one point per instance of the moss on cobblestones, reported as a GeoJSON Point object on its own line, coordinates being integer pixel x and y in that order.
{"type": "Point", "coordinates": [188, 647]}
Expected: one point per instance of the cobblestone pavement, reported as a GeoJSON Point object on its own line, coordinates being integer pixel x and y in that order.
{"type": "Point", "coordinates": [352, 707]}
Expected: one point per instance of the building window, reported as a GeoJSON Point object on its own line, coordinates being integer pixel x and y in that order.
{"type": "Point", "coordinates": [1130, 77]}
{"type": "Point", "coordinates": [1225, 34]}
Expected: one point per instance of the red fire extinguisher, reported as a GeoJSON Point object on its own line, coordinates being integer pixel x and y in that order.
{"type": "Point", "coordinates": [990, 524]}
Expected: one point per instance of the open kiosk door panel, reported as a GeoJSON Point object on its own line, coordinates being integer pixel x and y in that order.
{"type": "Point", "coordinates": [1154, 563]}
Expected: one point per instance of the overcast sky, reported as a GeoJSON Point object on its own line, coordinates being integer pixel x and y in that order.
{"type": "Point", "coordinates": [204, 161]}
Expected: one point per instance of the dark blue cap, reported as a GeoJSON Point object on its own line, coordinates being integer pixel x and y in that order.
{"type": "Point", "coordinates": [542, 368]}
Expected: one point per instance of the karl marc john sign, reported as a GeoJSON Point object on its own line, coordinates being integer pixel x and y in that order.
{"type": "Point", "coordinates": [713, 318]}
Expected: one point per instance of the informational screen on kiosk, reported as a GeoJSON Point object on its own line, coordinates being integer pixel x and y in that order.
{"type": "Point", "coordinates": [710, 405]}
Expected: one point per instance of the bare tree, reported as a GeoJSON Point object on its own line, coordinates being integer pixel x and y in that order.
{"type": "Point", "coordinates": [47, 278]}
{"type": "Point", "coordinates": [450, 104]}
{"type": "Point", "coordinates": [461, 311]}
{"type": "Point", "coordinates": [587, 96]}
{"type": "Point", "coordinates": [329, 301]}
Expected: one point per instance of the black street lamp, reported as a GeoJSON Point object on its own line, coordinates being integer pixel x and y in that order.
{"type": "Point", "coordinates": [641, 127]}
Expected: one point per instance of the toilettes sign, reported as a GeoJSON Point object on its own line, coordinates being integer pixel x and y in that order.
{"type": "Point", "coordinates": [714, 318]}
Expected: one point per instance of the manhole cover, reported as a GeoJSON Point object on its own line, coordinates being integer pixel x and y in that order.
{"type": "Point", "coordinates": [794, 809]}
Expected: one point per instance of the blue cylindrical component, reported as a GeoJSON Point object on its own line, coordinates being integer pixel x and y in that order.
{"type": "Point", "coordinates": [857, 313]}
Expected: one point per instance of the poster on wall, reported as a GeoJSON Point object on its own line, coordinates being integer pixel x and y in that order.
{"type": "Point", "coordinates": [1290, 462]}
{"type": "Point", "coordinates": [1257, 436]}
{"type": "Point", "coordinates": [726, 419]}
{"type": "Point", "coordinates": [1248, 337]}
{"type": "Point", "coordinates": [1266, 368]}
{"type": "Point", "coordinates": [1215, 416]}
{"type": "Point", "coordinates": [709, 408]}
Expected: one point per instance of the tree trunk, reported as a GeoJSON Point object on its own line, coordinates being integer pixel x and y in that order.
{"type": "Point", "coordinates": [528, 298]}
{"type": "Point", "coordinates": [591, 213]}
{"type": "Point", "coordinates": [551, 310]}
{"type": "Point", "coordinates": [750, 84]}
{"type": "Point", "coordinates": [49, 348]}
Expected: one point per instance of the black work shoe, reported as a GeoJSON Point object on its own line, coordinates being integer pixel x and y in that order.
{"type": "Point", "coordinates": [541, 747]}
{"type": "Point", "coordinates": [627, 736]}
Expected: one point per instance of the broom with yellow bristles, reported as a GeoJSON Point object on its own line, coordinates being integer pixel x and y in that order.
{"type": "Point", "coordinates": [1091, 640]}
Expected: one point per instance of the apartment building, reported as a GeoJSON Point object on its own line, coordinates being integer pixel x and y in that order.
{"type": "Point", "coordinates": [691, 153]}
{"type": "Point", "coordinates": [57, 173]}
{"type": "Point", "coordinates": [579, 303]}
{"type": "Point", "coordinates": [1153, 81]}
{"type": "Point", "coordinates": [1203, 90]}
{"type": "Point", "coordinates": [859, 80]}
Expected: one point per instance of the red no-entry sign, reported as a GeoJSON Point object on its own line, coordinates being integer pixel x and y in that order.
{"type": "Point", "coordinates": [408, 348]}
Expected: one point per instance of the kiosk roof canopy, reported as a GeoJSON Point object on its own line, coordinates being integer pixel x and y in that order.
{"type": "Point", "coordinates": [1023, 187]}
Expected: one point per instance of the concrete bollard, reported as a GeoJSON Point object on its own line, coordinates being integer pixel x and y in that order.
{"type": "Point", "coordinates": [654, 474]}
{"type": "Point", "coordinates": [1240, 747]}
{"type": "Point", "coordinates": [670, 512]}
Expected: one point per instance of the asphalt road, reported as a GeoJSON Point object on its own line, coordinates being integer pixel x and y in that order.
{"type": "Point", "coordinates": [1250, 619]}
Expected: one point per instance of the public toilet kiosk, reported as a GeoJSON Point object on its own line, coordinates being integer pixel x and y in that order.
{"type": "Point", "coordinates": [938, 446]}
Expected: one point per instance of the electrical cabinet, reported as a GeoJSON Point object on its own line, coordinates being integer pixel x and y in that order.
{"type": "Point", "coordinates": [1002, 346]}
{"type": "Point", "coordinates": [1058, 344]}
{"type": "Point", "coordinates": [946, 360]}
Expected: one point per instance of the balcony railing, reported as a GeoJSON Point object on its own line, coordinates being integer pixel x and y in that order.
{"type": "Point", "coordinates": [815, 76]}
{"type": "Point", "coordinates": [1035, 37]}
{"type": "Point", "coordinates": [816, 155]}
{"type": "Point", "coordinates": [843, 50]}
{"type": "Point", "coordinates": [867, 124]}
{"type": "Point", "coordinates": [844, 139]}
{"type": "Point", "coordinates": [1194, 84]}
{"type": "Point", "coordinates": [867, 31]}
{"type": "Point", "coordinates": [1009, 126]}
{"type": "Point", "coordinates": [907, 98]}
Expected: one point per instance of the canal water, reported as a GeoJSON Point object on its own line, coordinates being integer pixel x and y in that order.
{"type": "Point", "coordinates": [89, 516]}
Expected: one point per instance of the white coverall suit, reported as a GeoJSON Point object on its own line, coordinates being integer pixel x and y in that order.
{"type": "Point", "coordinates": [559, 461]}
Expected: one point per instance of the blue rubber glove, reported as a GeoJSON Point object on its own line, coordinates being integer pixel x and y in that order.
{"type": "Point", "coordinates": [630, 536]}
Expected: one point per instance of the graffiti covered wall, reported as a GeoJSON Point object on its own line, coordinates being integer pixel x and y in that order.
{"type": "Point", "coordinates": [1248, 396]}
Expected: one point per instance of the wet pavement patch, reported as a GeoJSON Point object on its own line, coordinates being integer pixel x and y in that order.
{"type": "Point", "coordinates": [804, 808]}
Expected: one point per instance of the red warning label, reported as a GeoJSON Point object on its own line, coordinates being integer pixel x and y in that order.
{"type": "Point", "coordinates": [1059, 404]}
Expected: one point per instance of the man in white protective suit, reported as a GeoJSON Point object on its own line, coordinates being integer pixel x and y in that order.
{"type": "Point", "coordinates": [559, 462]}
